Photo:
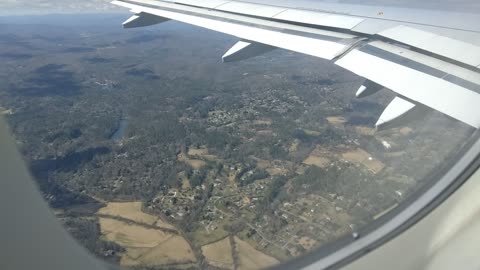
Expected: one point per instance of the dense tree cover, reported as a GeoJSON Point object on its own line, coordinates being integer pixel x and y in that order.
{"type": "Point", "coordinates": [275, 188]}
{"type": "Point", "coordinates": [220, 140]}
{"type": "Point", "coordinates": [247, 176]}
{"type": "Point", "coordinates": [198, 177]}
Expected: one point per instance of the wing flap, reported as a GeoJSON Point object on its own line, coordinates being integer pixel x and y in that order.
{"type": "Point", "coordinates": [253, 9]}
{"type": "Point", "coordinates": [319, 18]}
{"type": "Point", "coordinates": [425, 76]}
{"type": "Point", "coordinates": [203, 3]}
{"type": "Point", "coordinates": [454, 49]}
{"type": "Point", "coordinates": [434, 92]}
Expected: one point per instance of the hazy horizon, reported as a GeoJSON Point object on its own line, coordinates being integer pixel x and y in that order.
{"type": "Point", "coordinates": [44, 7]}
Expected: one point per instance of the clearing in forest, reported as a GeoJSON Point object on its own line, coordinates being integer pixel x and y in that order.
{"type": "Point", "coordinates": [194, 163]}
{"type": "Point", "coordinates": [336, 120]}
{"type": "Point", "coordinates": [202, 153]}
{"type": "Point", "coordinates": [361, 156]}
{"type": "Point", "coordinates": [197, 151]}
{"type": "Point", "coordinates": [266, 122]}
{"type": "Point", "coordinates": [318, 157]}
{"type": "Point", "coordinates": [321, 162]}
{"type": "Point", "coordinates": [184, 180]}
{"type": "Point", "coordinates": [367, 131]}
{"type": "Point", "coordinates": [274, 167]}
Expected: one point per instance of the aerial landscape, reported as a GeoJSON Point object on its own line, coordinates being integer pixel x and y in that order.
{"type": "Point", "coordinates": [156, 155]}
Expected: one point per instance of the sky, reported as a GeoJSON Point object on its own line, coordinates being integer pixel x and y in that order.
{"type": "Point", "coordinates": [20, 7]}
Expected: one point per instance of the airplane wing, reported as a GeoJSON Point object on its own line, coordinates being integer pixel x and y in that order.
{"type": "Point", "coordinates": [431, 59]}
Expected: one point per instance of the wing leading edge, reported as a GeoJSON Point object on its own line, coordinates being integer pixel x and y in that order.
{"type": "Point", "coordinates": [426, 65]}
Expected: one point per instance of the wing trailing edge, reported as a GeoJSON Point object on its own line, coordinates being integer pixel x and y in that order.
{"type": "Point", "coordinates": [426, 70]}
{"type": "Point", "coordinates": [143, 19]}
{"type": "Point", "coordinates": [394, 113]}
{"type": "Point", "coordinates": [244, 50]}
{"type": "Point", "coordinates": [368, 88]}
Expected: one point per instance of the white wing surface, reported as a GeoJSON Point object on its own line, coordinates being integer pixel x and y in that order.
{"type": "Point", "coordinates": [430, 59]}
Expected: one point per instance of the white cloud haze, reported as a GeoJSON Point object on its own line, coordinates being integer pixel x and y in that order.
{"type": "Point", "coordinates": [14, 7]}
{"type": "Point", "coordinates": [88, 6]}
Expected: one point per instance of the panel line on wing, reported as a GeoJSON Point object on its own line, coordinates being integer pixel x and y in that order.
{"type": "Point", "coordinates": [457, 50]}
{"type": "Point", "coordinates": [451, 99]}
{"type": "Point", "coordinates": [375, 51]}
{"type": "Point", "coordinates": [311, 46]}
{"type": "Point", "coordinates": [285, 30]}
{"type": "Point", "coordinates": [417, 75]}
{"type": "Point", "coordinates": [243, 50]}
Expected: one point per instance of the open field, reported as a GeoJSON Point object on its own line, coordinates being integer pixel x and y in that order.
{"type": "Point", "coordinates": [197, 151]}
{"type": "Point", "coordinates": [336, 120]}
{"type": "Point", "coordinates": [262, 163]}
{"type": "Point", "coordinates": [201, 153]}
{"type": "Point", "coordinates": [405, 131]}
{"type": "Point", "coordinates": [361, 156]}
{"type": "Point", "coordinates": [194, 163]}
{"type": "Point", "coordinates": [265, 132]}
{"type": "Point", "coordinates": [311, 132]}
{"type": "Point", "coordinates": [184, 179]}
{"type": "Point", "coordinates": [276, 171]}
{"type": "Point", "coordinates": [266, 122]}
{"type": "Point", "coordinates": [307, 242]}
{"type": "Point", "coordinates": [131, 235]}
{"type": "Point", "coordinates": [250, 258]}
{"type": "Point", "coordinates": [272, 167]}
{"type": "Point", "coordinates": [321, 162]}
{"type": "Point", "coordinates": [367, 131]}
{"type": "Point", "coordinates": [130, 210]}
{"type": "Point", "coordinates": [396, 131]}
{"type": "Point", "coordinates": [133, 211]}
{"type": "Point", "coordinates": [174, 250]}
{"type": "Point", "coordinates": [318, 157]}
{"type": "Point", "coordinates": [219, 254]}
{"type": "Point", "coordinates": [144, 244]}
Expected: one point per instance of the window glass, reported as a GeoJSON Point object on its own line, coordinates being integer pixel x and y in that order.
{"type": "Point", "coordinates": [153, 153]}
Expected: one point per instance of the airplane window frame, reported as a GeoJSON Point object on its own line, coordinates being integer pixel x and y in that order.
{"type": "Point", "coordinates": [438, 188]}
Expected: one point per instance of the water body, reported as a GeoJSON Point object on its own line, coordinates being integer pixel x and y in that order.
{"type": "Point", "coordinates": [120, 132]}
